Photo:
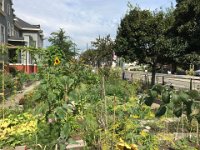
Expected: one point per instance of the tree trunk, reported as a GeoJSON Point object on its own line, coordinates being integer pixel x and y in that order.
{"type": "Point", "coordinates": [174, 68]}
{"type": "Point", "coordinates": [153, 74]}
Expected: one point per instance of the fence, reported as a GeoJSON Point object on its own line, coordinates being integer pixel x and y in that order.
{"type": "Point", "coordinates": [177, 81]}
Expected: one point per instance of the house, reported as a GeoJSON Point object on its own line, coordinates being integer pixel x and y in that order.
{"type": "Point", "coordinates": [16, 32]}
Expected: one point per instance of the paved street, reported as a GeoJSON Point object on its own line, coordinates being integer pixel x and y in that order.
{"type": "Point", "coordinates": [178, 81]}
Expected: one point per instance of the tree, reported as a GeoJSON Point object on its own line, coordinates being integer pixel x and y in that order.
{"type": "Point", "coordinates": [62, 43]}
{"type": "Point", "coordinates": [89, 57]}
{"type": "Point", "coordinates": [187, 24]}
{"type": "Point", "coordinates": [187, 27]}
{"type": "Point", "coordinates": [103, 48]}
{"type": "Point", "coordinates": [142, 36]}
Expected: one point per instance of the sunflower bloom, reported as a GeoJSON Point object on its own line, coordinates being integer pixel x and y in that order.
{"type": "Point", "coordinates": [56, 61]}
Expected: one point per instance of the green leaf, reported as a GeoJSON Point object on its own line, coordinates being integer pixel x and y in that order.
{"type": "Point", "coordinates": [148, 101]}
{"type": "Point", "coordinates": [65, 131]}
{"type": "Point", "coordinates": [194, 94]}
{"type": "Point", "coordinates": [42, 108]}
{"type": "Point", "coordinates": [60, 112]}
{"type": "Point", "coordinates": [158, 88]}
{"type": "Point", "coordinates": [51, 96]}
{"type": "Point", "coordinates": [70, 82]}
{"type": "Point", "coordinates": [188, 108]}
{"type": "Point", "coordinates": [166, 97]}
{"type": "Point", "coordinates": [36, 96]}
{"type": "Point", "coordinates": [184, 97]}
{"type": "Point", "coordinates": [161, 111]}
{"type": "Point", "coordinates": [175, 99]}
{"type": "Point", "coordinates": [178, 112]}
{"type": "Point", "coordinates": [153, 94]}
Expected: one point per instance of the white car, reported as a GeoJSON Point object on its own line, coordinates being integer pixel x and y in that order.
{"type": "Point", "coordinates": [197, 72]}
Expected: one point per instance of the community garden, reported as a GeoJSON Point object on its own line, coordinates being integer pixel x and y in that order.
{"type": "Point", "coordinates": [73, 102]}
{"type": "Point", "coordinates": [84, 98]}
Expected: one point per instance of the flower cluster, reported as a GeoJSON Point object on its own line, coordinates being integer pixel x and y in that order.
{"type": "Point", "coordinates": [123, 145]}
{"type": "Point", "coordinates": [19, 125]}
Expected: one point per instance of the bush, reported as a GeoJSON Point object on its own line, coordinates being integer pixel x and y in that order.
{"type": "Point", "coordinates": [9, 81]}
{"type": "Point", "coordinates": [190, 72]}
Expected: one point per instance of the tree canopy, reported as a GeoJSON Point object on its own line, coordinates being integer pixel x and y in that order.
{"type": "Point", "coordinates": [89, 57]}
{"type": "Point", "coordinates": [101, 53]}
{"type": "Point", "coordinates": [187, 23]}
{"type": "Point", "coordinates": [142, 36]}
{"type": "Point", "coordinates": [187, 27]}
{"type": "Point", "coordinates": [61, 42]}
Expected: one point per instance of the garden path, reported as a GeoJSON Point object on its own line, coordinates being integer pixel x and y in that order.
{"type": "Point", "coordinates": [14, 100]}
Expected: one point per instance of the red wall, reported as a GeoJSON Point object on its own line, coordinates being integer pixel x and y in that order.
{"type": "Point", "coordinates": [24, 68]}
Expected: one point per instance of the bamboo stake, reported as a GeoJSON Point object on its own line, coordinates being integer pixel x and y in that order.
{"type": "Point", "coordinates": [15, 91]}
{"type": "Point", "coordinates": [167, 123]}
{"type": "Point", "coordinates": [3, 82]}
{"type": "Point", "coordinates": [197, 133]}
{"type": "Point", "coordinates": [105, 101]}
{"type": "Point", "coordinates": [177, 130]}
{"type": "Point", "coordinates": [114, 115]}
{"type": "Point", "coordinates": [182, 122]}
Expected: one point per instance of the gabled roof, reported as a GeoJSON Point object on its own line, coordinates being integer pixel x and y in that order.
{"type": "Point", "coordinates": [23, 25]}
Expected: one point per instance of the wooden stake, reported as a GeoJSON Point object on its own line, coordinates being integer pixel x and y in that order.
{"type": "Point", "coordinates": [105, 101]}
{"type": "Point", "coordinates": [197, 133]}
{"type": "Point", "coordinates": [114, 107]}
{"type": "Point", "coordinates": [3, 81]}
{"type": "Point", "coordinates": [114, 115]}
{"type": "Point", "coordinates": [182, 122]}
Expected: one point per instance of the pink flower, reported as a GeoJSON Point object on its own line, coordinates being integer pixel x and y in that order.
{"type": "Point", "coordinates": [50, 120]}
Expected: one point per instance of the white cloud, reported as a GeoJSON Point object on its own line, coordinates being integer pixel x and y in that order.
{"type": "Point", "coordinates": [83, 20]}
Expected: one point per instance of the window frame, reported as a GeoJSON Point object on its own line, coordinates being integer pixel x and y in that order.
{"type": "Point", "coordinates": [8, 9]}
{"type": "Point", "coordinates": [9, 28]}
{"type": "Point", "coordinates": [4, 33]}
{"type": "Point", "coordinates": [2, 7]}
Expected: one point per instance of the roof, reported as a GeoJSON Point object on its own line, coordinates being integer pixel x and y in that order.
{"type": "Point", "coordinates": [13, 38]}
{"type": "Point", "coordinates": [21, 24]}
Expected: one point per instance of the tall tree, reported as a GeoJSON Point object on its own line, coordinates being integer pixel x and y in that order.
{"type": "Point", "coordinates": [141, 36]}
{"type": "Point", "coordinates": [187, 27]}
{"type": "Point", "coordinates": [187, 23]}
{"type": "Point", "coordinates": [60, 41]}
{"type": "Point", "coordinates": [104, 50]}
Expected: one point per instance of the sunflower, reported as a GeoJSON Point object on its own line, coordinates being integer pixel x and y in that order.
{"type": "Point", "coordinates": [56, 61]}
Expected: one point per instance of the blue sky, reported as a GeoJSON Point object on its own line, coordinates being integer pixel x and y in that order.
{"type": "Point", "coordinates": [83, 20]}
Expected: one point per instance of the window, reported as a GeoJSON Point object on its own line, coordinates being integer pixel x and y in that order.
{"type": "Point", "coordinates": [2, 34]}
{"type": "Point", "coordinates": [16, 33]}
{"type": "Point", "coordinates": [30, 59]}
{"type": "Point", "coordinates": [2, 5]}
{"type": "Point", "coordinates": [12, 30]}
{"type": "Point", "coordinates": [9, 28]}
{"type": "Point", "coordinates": [19, 57]}
{"type": "Point", "coordinates": [8, 9]}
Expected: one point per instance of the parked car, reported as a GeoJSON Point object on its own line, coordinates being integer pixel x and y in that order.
{"type": "Point", "coordinates": [197, 72]}
{"type": "Point", "coordinates": [134, 68]}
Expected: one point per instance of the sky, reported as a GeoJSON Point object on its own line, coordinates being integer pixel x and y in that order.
{"type": "Point", "coordinates": [82, 20]}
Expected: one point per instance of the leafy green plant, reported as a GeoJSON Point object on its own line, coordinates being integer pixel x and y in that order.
{"type": "Point", "coordinates": [15, 129]}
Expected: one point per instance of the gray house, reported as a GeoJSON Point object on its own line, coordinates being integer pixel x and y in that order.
{"type": "Point", "coordinates": [17, 32]}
